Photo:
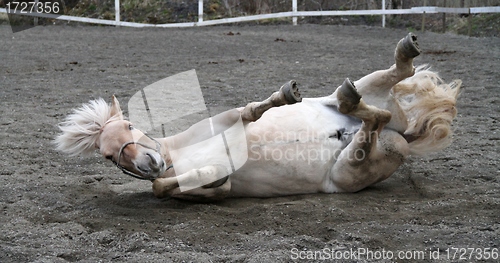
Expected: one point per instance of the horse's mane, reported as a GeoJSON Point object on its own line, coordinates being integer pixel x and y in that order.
{"type": "Point", "coordinates": [429, 104]}
{"type": "Point", "coordinates": [81, 129]}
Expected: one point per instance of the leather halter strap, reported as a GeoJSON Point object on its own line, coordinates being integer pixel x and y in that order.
{"type": "Point", "coordinates": [130, 173]}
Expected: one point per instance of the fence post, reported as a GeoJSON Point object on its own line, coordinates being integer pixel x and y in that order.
{"type": "Point", "coordinates": [294, 11]}
{"type": "Point", "coordinates": [444, 18]}
{"type": "Point", "coordinates": [469, 24]}
{"type": "Point", "coordinates": [422, 28]}
{"type": "Point", "coordinates": [200, 11]}
{"type": "Point", "coordinates": [117, 11]}
{"type": "Point", "coordinates": [423, 18]}
{"type": "Point", "coordinates": [383, 16]}
{"type": "Point", "coordinates": [35, 20]}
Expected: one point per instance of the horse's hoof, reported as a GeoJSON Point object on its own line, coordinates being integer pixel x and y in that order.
{"type": "Point", "coordinates": [348, 97]}
{"type": "Point", "coordinates": [291, 92]}
{"type": "Point", "coordinates": [350, 91]}
{"type": "Point", "coordinates": [409, 46]}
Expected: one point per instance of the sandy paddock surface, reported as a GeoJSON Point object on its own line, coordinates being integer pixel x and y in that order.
{"type": "Point", "coordinates": [57, 209]}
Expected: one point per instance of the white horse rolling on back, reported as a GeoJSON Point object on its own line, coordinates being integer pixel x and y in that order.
{"type": "Point", "coordinates": [356, 137]}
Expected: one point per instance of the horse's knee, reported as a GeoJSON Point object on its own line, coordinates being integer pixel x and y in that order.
{"type": "Point", "coordinates": [162, 186]}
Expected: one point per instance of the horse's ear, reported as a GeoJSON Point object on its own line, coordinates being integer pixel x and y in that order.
{"type": "Point", "coordinates": [115, 108]}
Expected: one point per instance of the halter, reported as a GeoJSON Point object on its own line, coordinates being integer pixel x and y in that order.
{"type": "Point", "coordinates": [127, 172]}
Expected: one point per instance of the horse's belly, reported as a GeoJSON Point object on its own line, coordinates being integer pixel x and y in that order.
{"type": "Point", "coordinates": [277, 171]}
{"type": "Point", "coordinates": [291, 150]}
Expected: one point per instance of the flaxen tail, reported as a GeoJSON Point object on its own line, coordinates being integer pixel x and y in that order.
{"type": "Point", "coordinates": [429, 104]}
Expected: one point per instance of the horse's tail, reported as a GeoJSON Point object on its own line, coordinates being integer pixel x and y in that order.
{"type": "Point", "coordinates": [429, 104]}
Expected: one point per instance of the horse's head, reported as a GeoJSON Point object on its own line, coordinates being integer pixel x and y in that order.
{"type": "Point", "coordinates": [97, 125]}
{"type": "Point", "coordinates": [135, 153]}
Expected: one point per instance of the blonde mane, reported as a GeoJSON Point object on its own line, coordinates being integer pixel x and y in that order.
{"type": "Point", "coordinates": [81, 129]}
{"type": "Point", "coordinates": [429, 104]}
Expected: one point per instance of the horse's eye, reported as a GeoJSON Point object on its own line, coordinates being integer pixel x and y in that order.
{"type": "Point", "coordinates": [130, 127]}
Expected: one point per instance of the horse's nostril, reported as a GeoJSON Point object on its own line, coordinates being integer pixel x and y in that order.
{"type": "Point", "coordinates": [153, 159]}
{"type": "Point", "coordinates": [155, 164]}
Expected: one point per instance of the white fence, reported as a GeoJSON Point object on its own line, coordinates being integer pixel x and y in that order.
{"type": "Point", "coordinates": [294, 14]}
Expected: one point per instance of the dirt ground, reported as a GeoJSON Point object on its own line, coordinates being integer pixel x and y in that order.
{"type": "Point", "coordinates": [56, 209]}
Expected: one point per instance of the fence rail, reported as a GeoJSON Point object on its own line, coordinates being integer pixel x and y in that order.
{"type": "Point", "coordinates": [294, 14]}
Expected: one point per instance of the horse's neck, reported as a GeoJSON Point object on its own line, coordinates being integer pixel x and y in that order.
{"type": "Point", "coordinates": [165, 152]}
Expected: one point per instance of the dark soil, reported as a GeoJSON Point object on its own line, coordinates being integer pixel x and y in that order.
{"type": "Point", "coordinates": [56, 209]}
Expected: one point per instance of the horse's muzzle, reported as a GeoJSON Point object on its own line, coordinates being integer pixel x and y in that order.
{"type": "Point", "coordinates": [151, 165]}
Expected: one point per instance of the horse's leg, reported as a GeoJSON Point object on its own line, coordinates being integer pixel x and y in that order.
{"type": "Point", "coordinates": [217, 189]}
{"type": "Point", "coordinates": [204, 194]}
{"type": "Point", "coordinates": [379, 83]}
{"type": "Point", "coordinates": [205, 129]}
{"type": "Point", "coordinates": [373, 154]}
{"type": "Point", "coordinates": [288, 94]}
{"type": "Point", "coordinates": [376, 87]}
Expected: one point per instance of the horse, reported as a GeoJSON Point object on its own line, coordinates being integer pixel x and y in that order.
{"type": "Point", "coordinates": [355, 137]}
